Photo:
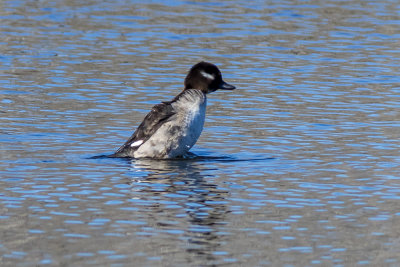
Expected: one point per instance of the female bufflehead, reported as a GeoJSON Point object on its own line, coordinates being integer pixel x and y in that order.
{"type": "Point", "coordinates": [172, 128]}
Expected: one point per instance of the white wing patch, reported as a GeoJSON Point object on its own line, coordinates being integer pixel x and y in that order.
{"type": "Point", "coordinates": [207, 75]}
{"type": "Point", "coordinates": [137, 143]}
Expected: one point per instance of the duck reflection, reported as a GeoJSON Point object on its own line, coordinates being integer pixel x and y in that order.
{"type": "Point", "coordinates": [184, 204]}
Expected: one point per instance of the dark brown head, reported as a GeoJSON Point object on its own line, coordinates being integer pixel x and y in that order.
{"type": "Point", "coordinates": [206, 77]}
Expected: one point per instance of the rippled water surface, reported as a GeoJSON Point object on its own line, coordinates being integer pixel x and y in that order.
{"type": "Point", "coordinates": [300, 166]}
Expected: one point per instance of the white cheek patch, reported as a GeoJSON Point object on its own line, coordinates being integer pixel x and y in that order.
{"type": "Point", "coordinates": [137, 143]}
{"type": "Point", "coordinates": [207, 75]}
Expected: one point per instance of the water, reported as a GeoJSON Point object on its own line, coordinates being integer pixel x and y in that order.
{"type": "Point", "coordinates": [297, 167]}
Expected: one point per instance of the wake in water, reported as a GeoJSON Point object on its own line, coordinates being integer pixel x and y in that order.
{"type": "Point", "coordinates": [192, 157]}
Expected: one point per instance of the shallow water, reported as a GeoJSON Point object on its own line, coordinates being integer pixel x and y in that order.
{"type": "Point", "coordinates": [298, 166]}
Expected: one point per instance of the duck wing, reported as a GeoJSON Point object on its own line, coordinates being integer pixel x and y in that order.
{"type": "Point", "coordinates": [159, 114]}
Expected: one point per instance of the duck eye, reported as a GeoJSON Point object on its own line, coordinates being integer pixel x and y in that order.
{"type": "Point", "coordinates": [207, 75]}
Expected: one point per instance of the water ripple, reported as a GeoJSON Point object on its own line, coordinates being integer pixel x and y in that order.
{"type": "Point", "coordinates": [298, 166]}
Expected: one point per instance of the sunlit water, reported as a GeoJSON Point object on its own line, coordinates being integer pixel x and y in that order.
{"type": "Point", "coordinates": [298, 166]}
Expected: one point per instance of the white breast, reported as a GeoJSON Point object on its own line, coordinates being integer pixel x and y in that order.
{"type": "Point", "coordinates": [194, 122]}
{"type": "Point", "coordinates": [176, 136]}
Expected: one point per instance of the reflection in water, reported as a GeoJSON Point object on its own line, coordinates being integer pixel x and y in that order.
{"type": "Point", "coordinates": [179, 185]}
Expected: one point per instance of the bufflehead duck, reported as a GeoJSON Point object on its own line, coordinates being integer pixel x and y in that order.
{"type": "Point", "coordinates": [171, 128]}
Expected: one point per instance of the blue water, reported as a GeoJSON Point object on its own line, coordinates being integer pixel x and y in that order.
{"type": "Point", "coordinates": [297, 167]}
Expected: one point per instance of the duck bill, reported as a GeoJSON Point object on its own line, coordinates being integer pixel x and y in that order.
{"type": "Point", "coordinates": [226, 86]}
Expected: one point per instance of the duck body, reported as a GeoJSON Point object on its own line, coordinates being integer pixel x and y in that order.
{"type": "Point", "coordinates": [176, 125]}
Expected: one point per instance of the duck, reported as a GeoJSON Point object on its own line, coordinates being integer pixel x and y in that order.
{"type": "Point", "coordinates": [173, 127]}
